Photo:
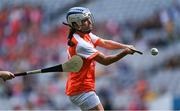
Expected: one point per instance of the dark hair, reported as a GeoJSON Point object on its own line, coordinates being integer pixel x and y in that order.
{"type": "Point", "coordinates": [71, 32]}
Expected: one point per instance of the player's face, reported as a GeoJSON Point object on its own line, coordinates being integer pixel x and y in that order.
{"type": "Point", "coordinates": [86, 26]}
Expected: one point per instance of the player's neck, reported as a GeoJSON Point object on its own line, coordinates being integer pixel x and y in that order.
{"type": "Point", "coordinates": [81, 33]}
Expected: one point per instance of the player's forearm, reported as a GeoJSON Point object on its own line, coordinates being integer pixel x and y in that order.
{"type": "Point", "coordinates": [107, 60]}
{"type": "Point", "coordinates": [113, 58]}
{"type": "Point", "coordinates": [109, 44]}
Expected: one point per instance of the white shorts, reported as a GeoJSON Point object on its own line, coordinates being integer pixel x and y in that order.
{"type": "Point", "coordinates": [85, 100]}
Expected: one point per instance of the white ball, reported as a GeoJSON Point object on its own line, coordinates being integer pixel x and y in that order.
{"type": "Point", "coordinates": [154, 51]}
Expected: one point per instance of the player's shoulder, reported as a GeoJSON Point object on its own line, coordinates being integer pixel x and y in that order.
{"type": "Point", "coordinates": [92, 34]}
{"type": "Point", "coordinates": [79, 40]}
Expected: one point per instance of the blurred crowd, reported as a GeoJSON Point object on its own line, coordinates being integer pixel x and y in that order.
{"type": "Point", "coordinates": [27, 44]}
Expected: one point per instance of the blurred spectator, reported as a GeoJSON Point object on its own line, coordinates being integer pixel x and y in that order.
{"type": "Point", "coordinates": [105, 98]}
{"type": "Point", "coordinates": [138, 100]}
{"type": "Point", "coordinates": [164, 18]}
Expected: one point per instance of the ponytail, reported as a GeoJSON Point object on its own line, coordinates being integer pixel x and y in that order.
{"type": "Point", "coordinates": [71, 32]}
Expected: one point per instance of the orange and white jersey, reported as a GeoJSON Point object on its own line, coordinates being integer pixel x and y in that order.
{"type": "Point", "coordinates": [84, 80]}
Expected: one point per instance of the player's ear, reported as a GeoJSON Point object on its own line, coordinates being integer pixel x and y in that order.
{"type": "Point", "coordinates": [75, 26]}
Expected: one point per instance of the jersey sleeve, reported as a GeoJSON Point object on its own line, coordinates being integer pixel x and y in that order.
{"type": "Point", "coordinates": [86, 50]}
{"type": "Point", "coordinates": [164, 17]}
{"type": "Point", "coordinates": [94, 38]}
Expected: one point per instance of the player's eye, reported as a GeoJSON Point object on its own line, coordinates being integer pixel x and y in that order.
{"type": "Point", "coordinates": [86, 21]}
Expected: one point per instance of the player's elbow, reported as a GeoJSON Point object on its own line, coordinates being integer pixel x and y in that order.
{"type": "Point", "coordinates": [105, 63]}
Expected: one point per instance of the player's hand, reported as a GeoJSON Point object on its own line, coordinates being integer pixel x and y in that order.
{"type": "Point", "coordinates": [130, 47]}
{"type": "Point", "coordinates": [128, 51]}
{"type": "Point", "coordinates": [6, 75]}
